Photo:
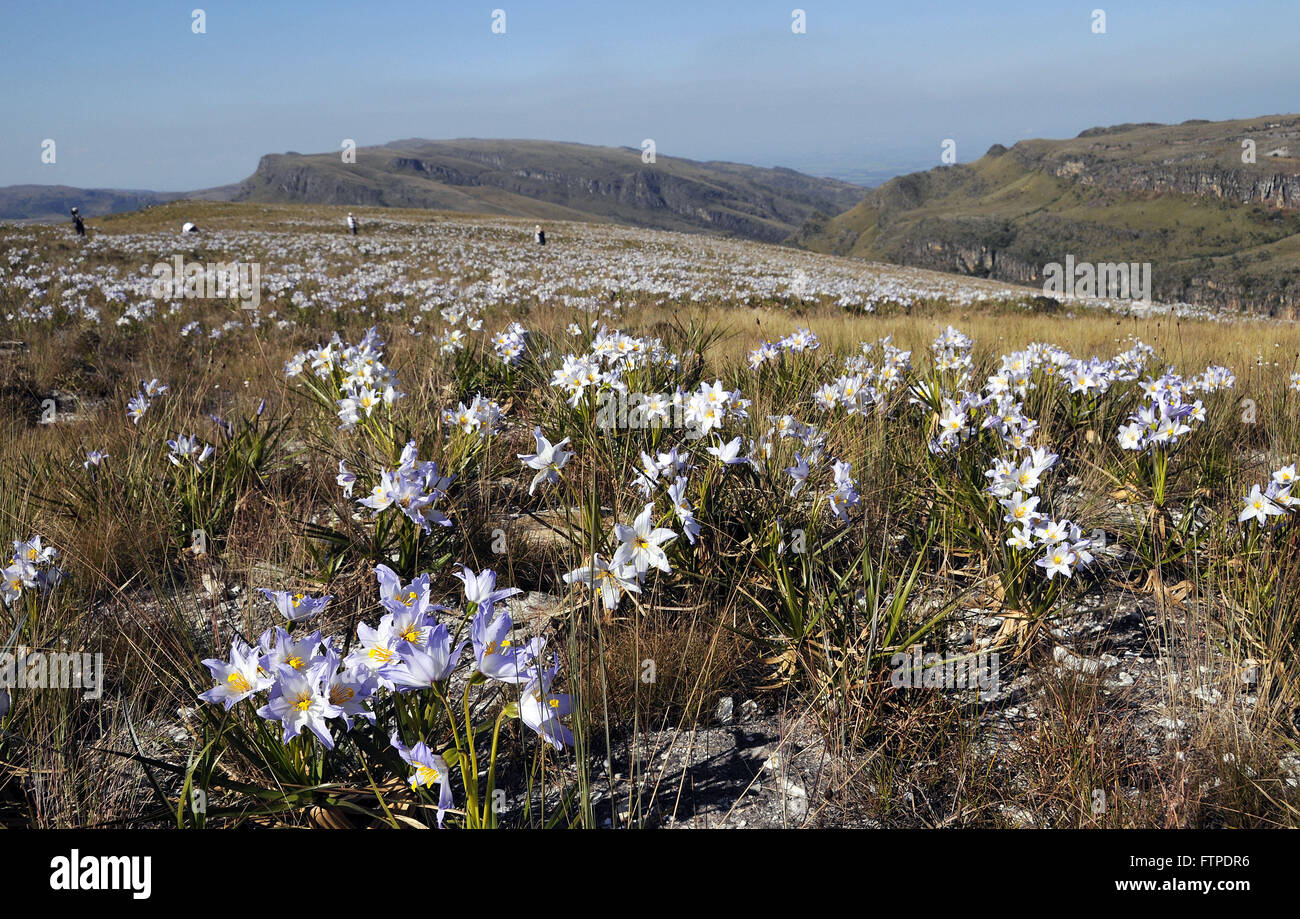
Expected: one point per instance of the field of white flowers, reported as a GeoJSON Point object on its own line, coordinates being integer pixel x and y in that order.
{"type": "Point", "coordinates": [439, 527]}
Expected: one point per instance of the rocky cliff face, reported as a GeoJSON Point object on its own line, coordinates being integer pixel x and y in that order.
{"type": "Point", "coordinates": [604, 182]}
{"type": "Point", "coordinates": [1260, 183]}
{"type": "Point", "coordinates": [305, 182]}
{"type": "Point", "coordinates": [1226, 287]}
{"type": "Point", "coordinates": [980, 260]}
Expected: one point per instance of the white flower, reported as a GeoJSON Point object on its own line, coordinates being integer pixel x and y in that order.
{"type": "Point", "coordinates": [799, 472]}
{"type": "Point", "coordinates": [640, 542]}
{"type": "Point", "coordinates": [1258, 507]}
{"type": "Point", "coordinates": [548, 460]}
{"type": "Point", "coordinates": [1052, 532]}
{"type": "Point", "coordinates": [611, 581]}
{"type": "Point", "coordinates": [1060, 559]}
{"type": "Point", "coordinates": [952, 421]}
{"type": "Point", "coordinates": [136, 408]}
{"type": "Point", "coordinates": [685, 513]}
{"type": "Point", "coordinates": [1021, 538]}
{"type": "Point", "coordinates": [1020, 509]}
{"type": "Point", "coordinates": [845, 495]}
{"type": "Point", "coordinates": [728, 454]}
{"type": "Point", "coordinates": [1130, 436]}
{"type": "Point", "coordinates": [188, 448]}
{"type": "Point", "coordinates": [346, 480]}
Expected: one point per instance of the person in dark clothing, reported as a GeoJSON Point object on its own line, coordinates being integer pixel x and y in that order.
{"type": "Point", "coordinates": [539, 235]}
{"type": "Point", "coordinates": [352, 224]}
{"type": "Point", "coordinates": [77, 223]}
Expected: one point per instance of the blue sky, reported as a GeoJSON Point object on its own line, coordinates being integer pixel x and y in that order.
{"type": "Point", "coordinates": [134, 99]}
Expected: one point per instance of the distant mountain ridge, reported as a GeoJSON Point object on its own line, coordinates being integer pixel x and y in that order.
{"type": "Point", "coordinates": [53, 202]}
{"type": "Point", "coordinates": [1218, 231]}
{"type": "Point", "coordinates": [551, 180]}
{"type": "Point", "coordinates": [546, 180]}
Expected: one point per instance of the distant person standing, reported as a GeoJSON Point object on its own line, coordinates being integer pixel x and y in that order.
{"type": "Point", "coordinates": [539, 235]}
{"type": "Point", "coordinates": [352, 224]}
{"type": "Point", "coordinates": [77, 223]}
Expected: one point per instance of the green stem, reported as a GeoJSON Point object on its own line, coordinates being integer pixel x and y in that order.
{"type": "Point", "coordinates": [471, 788]}
{"type": "Point", "coordinates": [489, 814]}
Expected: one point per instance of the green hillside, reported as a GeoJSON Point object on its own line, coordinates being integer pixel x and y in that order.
{"type": "Point", "coordinates": [1217, 231]}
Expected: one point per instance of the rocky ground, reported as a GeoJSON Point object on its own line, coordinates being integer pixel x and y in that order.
{"type": "Point", "coordinates": [760, 763]}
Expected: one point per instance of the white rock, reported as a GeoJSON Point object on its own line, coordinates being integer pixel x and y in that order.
{"type": "Point", "coordinates": [1208, 694]}
{"type": "Point", "coordinates": [725, 713]}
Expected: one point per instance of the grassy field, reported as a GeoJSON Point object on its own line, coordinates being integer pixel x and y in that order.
{"type": "Point", "coordinates": [826, 486]}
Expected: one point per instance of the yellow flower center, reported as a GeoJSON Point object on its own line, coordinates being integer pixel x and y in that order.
{"type": "Point", "coordinates": [340, 694]}
{"type": "Point", "coordinates": [238, 682]}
